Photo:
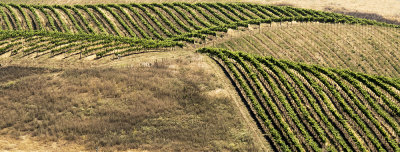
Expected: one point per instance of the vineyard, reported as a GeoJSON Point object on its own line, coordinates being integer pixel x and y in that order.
{"type": "Point", "coordinates": [50, 44]}
{"type": "Point", "coordinates": [303, 80]}
{"type": "Point", "coordinates": [141, 26]}
{"type": "Point", "coordinates": [366, 49]}
{"type": "Point", "coordinates": [304, 107]}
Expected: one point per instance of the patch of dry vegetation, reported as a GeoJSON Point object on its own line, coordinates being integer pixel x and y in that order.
{"type": "Point", "coordinates": [389, 9]}
{"type": "Point", "coordinates": [371, 16]}
{"type": "Point", "coordinates": [28, 143]}
{"type": "Point", "coordinates": [163, 105]}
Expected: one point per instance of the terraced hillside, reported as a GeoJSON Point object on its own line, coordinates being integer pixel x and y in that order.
{"type": "Point", "coordinates": [155, 21]}
{"type": "Point", "coordinates": [304, 107]}
{"type": "Point", "coordinates": [367, 49]}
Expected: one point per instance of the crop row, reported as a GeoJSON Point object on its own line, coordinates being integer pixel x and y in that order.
{"type": "Point", "coordinates": [157, 21]}
{"type": "Point", "coordinates": [315, 108]}
{"type": "Point", "coordinates": [56, 43]}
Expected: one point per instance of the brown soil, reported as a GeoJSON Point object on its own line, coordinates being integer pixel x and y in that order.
{"type": "Point", "coordinates": [137, 33]}
{"type": "Point", "coordinates": [116, 23]}
{"type": "Point", "coordinates": [106, 26]}
{"type": "Point", "coordinates": [67, 21]}
{"type": "Point", "coordinates": [139, 22]}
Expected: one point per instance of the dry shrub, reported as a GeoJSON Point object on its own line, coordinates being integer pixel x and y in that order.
{"type": "Point", "coordinates": [14, 72]}
{"type": "Point", "coordinates": [284, 4]}
{"type": "Point", "coordinates": [371, 16]}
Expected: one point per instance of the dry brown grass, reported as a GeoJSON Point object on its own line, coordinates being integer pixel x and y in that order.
{"type": "Point", "coordinates": [28, 143]}
{"type": "Point", "coordinates": [390, 9]}
{"type": "Point", "coordinates": [158, 105]}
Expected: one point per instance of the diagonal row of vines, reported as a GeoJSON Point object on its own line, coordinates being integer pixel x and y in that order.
{"type": "Point", "coordinates": [177, 21]}
{"type": "Point", "coordinates": [50, 44]}
{"type": "Point", "coordinates": [304, 107]}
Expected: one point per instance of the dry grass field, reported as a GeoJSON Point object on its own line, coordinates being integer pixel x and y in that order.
{"type": "Point", "coordinates": [161, 101]}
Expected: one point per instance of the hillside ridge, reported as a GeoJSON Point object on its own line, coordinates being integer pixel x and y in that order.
{"type": "Point", "coordinates": [148, 26]}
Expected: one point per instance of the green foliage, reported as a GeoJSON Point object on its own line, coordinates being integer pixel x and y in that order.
{"type": "Point", "coordinates": [154, 19]}
{"type": "Point", "coordinates": [49, 18]}
{"type": "Point", "coordinates": [71, 17]}
{"type": "Point", "coordinates": [82, 18]}
{"type": "Point", "coordinates": [314, 104]}
{"type": "Point", "coordinates": [249, 93]}
{"type": "Point", "coordinates": [119, 19]}
{"type": "Point", "coordinates": [174, 21]}
{"type": "Point", "coordinates": [242, 10]}
{"type": "Point", "coordinates": [185, 17]}
{"type": "Point", "coordinates": [39, 25]}
{"type": "Point", "coordinates": [214, 13]}
{"type": "Point", "coordinates": [130, 19]}
{"type": "Point", "coordinates": [206, 15]}
{"type": "Point", "coordinates": [232, 10]}
{"type": "Point", "coordinates": [253, 9]}
{"type": "Point", "coordinates": [171, 20]}
{"type": "Point", "coordinates": [14, 16]}
{"type": "Point", "coordinates": [5, 18]}
{"type": "Point", "coordinates": [164, 19]}
{"type": "Point", "coordinates": [337, 90]}
{"type": "Point", "coordinates": [58, 16]}
{"type": "Point", "coordinates": [26, 18]}
{"type": "Point", "coordinates": [144, 21]}
{"type": "Point", "coordinates": [99, 25]}
{"type": "Point", "coordinates": [104, 16]}
{"type": "Point", "coordinates": [362, 108]}
{"type": "Point", "coordinates": [191, 12]}
{"type": "Point", "coordinates": [7, 48]}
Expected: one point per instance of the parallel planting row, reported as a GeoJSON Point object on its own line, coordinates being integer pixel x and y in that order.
{"type": "Point", "coordinates": [55, 44]}
{"type": "Point", "coordinates": [176, 21]}
{"type": "Point", "coordinates": [367, 49]}
{"type": "Point", "coordinates": [310, 108]}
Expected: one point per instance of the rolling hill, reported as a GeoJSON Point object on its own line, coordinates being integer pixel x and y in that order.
{"type": "Point", "coordinates": [304, 107]}
{"type": "Point", "coordinates": [143, 26]}
{"type": "Point", "coordinates": [367, 49]}
{"type": "Point", "coordinates": [143, 77]}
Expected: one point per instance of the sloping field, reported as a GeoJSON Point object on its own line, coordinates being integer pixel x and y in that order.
{"type": "Point", "coordinates": [368, 49]}
{"type": "Point", "coordinates": [159, 101]}
{"type": "Point", "coordinates": [143, 26]}
{"type": "Point", "coordinates": [372, 9]}
{"type": "Point", "coordinates": [36, 44]}
{"type": "Point", "coordinates": [171, 99]}
{"type": "Point", "coordinates": [310, 108]}
{"type": "Point", "coordinates": [155, 21]}
{"type": "Point", "coordinates": [129, 28]}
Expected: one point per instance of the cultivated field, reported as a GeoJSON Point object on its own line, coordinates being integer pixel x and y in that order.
{"type": "Point", "coordinates": [156, 77]}
{"type": "Point", "coordinates": [124, 29]}
{"type": "Point", "coordinates": [375, 9]}
{"type": "Point", "coordinates": [302, 107]}
{"type": "Point", "coordinates": [368, 49]}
